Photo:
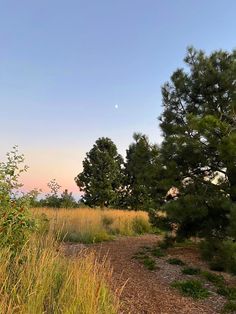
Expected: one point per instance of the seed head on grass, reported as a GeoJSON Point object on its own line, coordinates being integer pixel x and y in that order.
{"type": "Point", "coordinates": [191, 288]}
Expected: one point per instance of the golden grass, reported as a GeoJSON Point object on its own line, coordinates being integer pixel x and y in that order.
{"type": "Point", "coordinates": [94, 225]}
{"type": "Point", "coordinates": [40, 280]}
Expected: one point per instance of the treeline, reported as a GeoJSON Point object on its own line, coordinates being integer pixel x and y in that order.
{"type": "Point", "coordinates": [109, 181]}
{"type": "Point", "coordinates": [197, 156]}
{"type": "Point", "coordinates": [54, 199]}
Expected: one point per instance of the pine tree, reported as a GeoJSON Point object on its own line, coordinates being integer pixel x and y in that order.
{"type": "Point", "coordinates": [100, 179]}
{"type": "Point", "coordinates": [139, 173]}
{"type": "Point", "coordinates": [199, 129]}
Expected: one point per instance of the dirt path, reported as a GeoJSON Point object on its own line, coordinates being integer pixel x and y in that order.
{"type": "Point", "coordinates": [146, 292]}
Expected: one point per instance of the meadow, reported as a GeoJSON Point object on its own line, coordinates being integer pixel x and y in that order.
{"type": "Point", "coordinates": [93, 225]}
{"type": "Point", "coordinates": [41, 280]}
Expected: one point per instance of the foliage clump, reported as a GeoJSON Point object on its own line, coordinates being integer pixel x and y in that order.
{"type": "Point", "coordinates": [198, 153]}
{"type": "Point", "coordinates": [101, 177]}
{"type": "Point", "coordinates": [16, 222]}
{"type": "Point", "coordinates": [176, 261]}
{"type": "Point", "coordinates": [191, 288]}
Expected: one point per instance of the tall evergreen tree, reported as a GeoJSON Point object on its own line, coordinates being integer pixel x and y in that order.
{"type": "Point", "coordinates": [199, 129]}
{"type": "Point", "coordinates": [139, 173]}
{"type": "Point", "coordinates": [100, 179]}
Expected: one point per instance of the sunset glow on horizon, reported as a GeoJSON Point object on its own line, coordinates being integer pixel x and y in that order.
{"type": "Point", "coordinates": [71, 72]}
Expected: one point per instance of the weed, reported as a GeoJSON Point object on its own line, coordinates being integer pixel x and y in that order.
{"type": "Point", "coordinates": [158, 252]}
{"type": "Point", "coordinates": [191, 271]}
{"type": "Point", "coordinates": [191, 288]}
{"type": "Point", "coordinates": [217, 280]}
{"type": "Point", "coordinates": [149, 263]}
{"type": "Point", "coordinates": [228, 292]}
{"type": "Point", "coordinates": [230, 307]}
{"type": "Point", "coordinates": [140, 255]}
{"type": "Point", "coordinates": [176, 261]}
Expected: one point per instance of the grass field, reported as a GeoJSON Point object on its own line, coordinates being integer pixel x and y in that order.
{"type": "Point", "coordinates": [40, 280]}
{"type": "Point", "coordinates": [94, 225]}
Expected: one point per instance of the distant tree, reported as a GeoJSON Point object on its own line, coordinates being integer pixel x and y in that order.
{"type": "Point", "coordinates": [199, 129]}
{"type": "Point", "coordinates": [101, 177]}
{"type": "Point", "coordinates": [33, 196]}
{"type": "Point", "coordinates": [67, 200]}
{"type": "Point", "coordinates": [52, 199]}
{"type": "Point", "coordinates": [54, 187]}
{"type": "Point", "coordinates": [140, 171]}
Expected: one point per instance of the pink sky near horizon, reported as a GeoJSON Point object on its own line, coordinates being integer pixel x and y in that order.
{"type": "Point", "coordinates": [74, 71]}
{"type": "Point", "coordinates": [51, 164]}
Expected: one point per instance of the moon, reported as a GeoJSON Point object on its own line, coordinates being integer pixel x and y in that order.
{"type": "Point", "coordinates": [116, 106]}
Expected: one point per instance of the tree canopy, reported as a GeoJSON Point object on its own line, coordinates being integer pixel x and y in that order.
{"type": "Point", "coordinates": [100, 179]}
{"type": "Point", "coordinates": [199, 129]}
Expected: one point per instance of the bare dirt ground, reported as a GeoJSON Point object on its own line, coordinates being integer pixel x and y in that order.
{"type": "Point", "coordinates": [149, 292]}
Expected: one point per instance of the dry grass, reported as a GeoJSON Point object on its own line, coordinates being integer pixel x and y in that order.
{"type": "Point", "coordinates": [39, 280]}
{"type": "Point", "coordinates": [94, 225]}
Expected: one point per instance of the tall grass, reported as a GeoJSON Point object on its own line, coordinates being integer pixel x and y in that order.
{"type": "Point", "coordinates": [40, 280]}
{"type": "Point", "coordinates": [94, 225]}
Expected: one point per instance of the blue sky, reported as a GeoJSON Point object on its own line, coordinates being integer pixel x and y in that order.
{"type": "Point", "coordinates": [64, 65]}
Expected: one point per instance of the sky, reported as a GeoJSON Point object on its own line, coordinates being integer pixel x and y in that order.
{"type": "Point", "coordinates": [75, 70]}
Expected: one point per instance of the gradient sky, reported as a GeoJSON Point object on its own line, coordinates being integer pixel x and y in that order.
{"type": "Point", "coordinates": [64, 65]}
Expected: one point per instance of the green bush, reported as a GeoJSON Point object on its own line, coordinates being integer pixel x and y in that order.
{"type": "Point", "coordinates": [16, 222]}
{"type": "Point", "coordinates": [191, 288]}
{"type": "Point", "coordinates": [221, 255]}
{"type": "Point", "coordinates": [191, 271]}
{"type": "Point", "coordinates": [175, 261]}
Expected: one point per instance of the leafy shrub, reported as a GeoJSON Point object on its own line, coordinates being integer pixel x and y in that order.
{"type": "Point", "coordinates": [16, 223]}
{"type": "Point", "coordinates": [221, 255]}
{"type": "Point", "coordinates": [140, 225]}
{"type": "Point", "coordinates": [191, 288]}
{"type": "Point", "coordinates": [176, 261]}
{"type": "Point", "coordinates": [191, 271]}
